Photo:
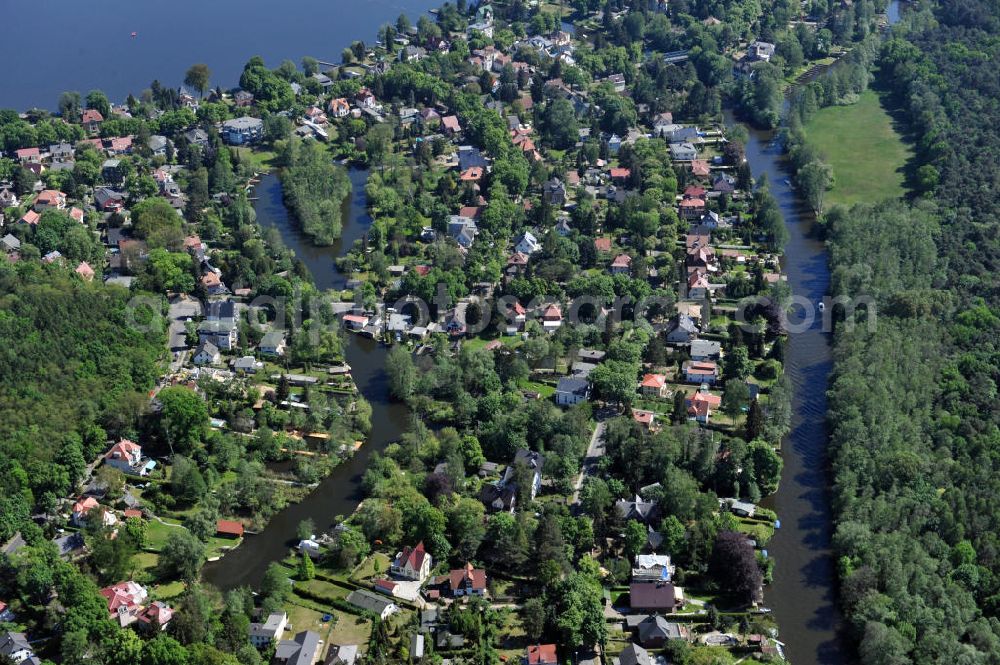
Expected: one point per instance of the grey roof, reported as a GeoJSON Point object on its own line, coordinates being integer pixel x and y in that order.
{"type": "Point", "coordinates": [572, 384]}
{"type": "Point", "coordinates": [344, 654]}
{"type": "Point", "coordinates": [221, 310]}
{"type": "Point", "coordinates": [367, 600]}
{"type": "Point", "coordinates": [685, 323]}
{"type": "Point", "coordinates": [273, 338]}
{"type": "Point", "coordinates": [10, 242]}
{"type": "Point", "coordinates": [634, 654]}
{"type": "Point", "coordinates": [11, 643]}
{"type": "Point", "coordinates": [656, 627]}
{"type": "Point", "coordinates": [269, 628]}
{"type": "Point", "coordinates": [302, 650]}
{"type": "Point", "coordinates": [246, 123]}
{"type": "Point", "coordinates": [591, 354]}
{"type": "Point", "coordinates": [69, 543]}
{"type": "Point", "coordinates": [196, 135]}
{"type": "Point", "coordinates": [207, 347]}
{"type": "Point", "coordinates": [218, 326]}
{"type": "Point", "coordinates": [637, 508]}
{"type": "Point", "coordinates": [703, 348]}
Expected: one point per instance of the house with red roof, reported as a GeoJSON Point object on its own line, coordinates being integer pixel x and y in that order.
{"type": "Point", "coordinates": [700, 405]}
{"type": "Point", "coordinates": [126, 456]}
{"type": "Point", "coordinates": [339, 108]}
{"type": "Point", "coordinates": [620, 175]}
{"type": "Point", "coordinates": [28, 155]}
{"type": "Point", "coordinates": [413, 563]}
{"type": "Point", "coordinates": [125, 601]}
{"type": "Point", "coordinates": [698, 285]}
{"type": "Point", "coordinates": [472, 174]}
{"type": "Point", "coordinates": [621, 265]}
{"type": "Point", "coordinates": [653, 385]}
{"type": "Point", "coordinates": [541, 654]}
{"type": "Point", "coordinates": [467, 581]}
{"type": "Point", "coordinates": [119, 145]}
{"type": "Point", "coordinates": [155, 618]}
{"type": "Point", "coordinates": [700, 371]}
{"type": "Point", "coordinates": [450, 124]}
{"type": "Point", "coordinates": [83, 508]}
{"type": "Point", "coordinates": [700, 168]}
{"type": "Point", "coordinates": [49, 199]}
{"type": "Point", "coordinates": [694, 192]}
{"type": "Point", "coordinates": [691, 208]}
{"type": "Point", "coordinates": [92, 120]}
{"type": "Point", "coordinates": [366, 98]}
{"type": "Point", "coordinates": [644, 417]}
{"type": "Point", "coordinates": [551, 316]}
{"type": "Point", "coordinates": [602, 244]}
{"type": "Point", "coordinates": [85, 271]}
{"type": "Point", "coordinates": [76, 214]}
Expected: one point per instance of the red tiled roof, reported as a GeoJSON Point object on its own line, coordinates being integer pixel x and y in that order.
{"type": "Point", "coordinates": [620, 173]}
{"type": "Point", "coordinates": [229, 527]}
{"type": "Point", "coordinates": [654, 381]}
{"type": "Point", "coordinates": [602, 244]}
{"type": "Point", "coordinates": [542, 654]}
{"type": "Point", "coordinates": [412, 556]}
{"type": "Point", "coordinates": [458, 578]}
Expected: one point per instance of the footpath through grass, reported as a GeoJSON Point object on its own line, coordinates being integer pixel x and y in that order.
{"type": "Point", "coordinates": [866, 154]}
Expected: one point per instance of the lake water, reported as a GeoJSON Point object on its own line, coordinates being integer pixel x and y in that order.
{"type": "Point", "coordinates": [50, 47]}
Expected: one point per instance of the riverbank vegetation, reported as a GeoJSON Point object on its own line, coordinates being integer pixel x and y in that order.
{"type": "Point", "coordinates": [912, 403]}
{"type": "Point", "coordinates": [315, 190]}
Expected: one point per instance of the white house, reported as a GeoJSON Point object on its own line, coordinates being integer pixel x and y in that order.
{"type": "Point", "coordinates": [263, 635]}
{"type": "Point", "coordinates": [207, 353]}
{"type": "Point", "coordinates": [126, 456]}
{"type": "Point", "coordinates": [272, 344]}
{"type": "Point", "coordinates": [527, 244]}
{"type": "Point", "coordinates": [572, 390]}
{"type": "Point", "coordinates": [413, 563]}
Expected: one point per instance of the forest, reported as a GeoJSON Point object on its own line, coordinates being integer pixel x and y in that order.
{"type": "Point", "coordinates": [913, 399]}
{"type": "Point", "coordinates": [75, 371]}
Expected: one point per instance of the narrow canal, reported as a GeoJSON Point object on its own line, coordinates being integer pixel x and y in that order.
{"type": "Point", "coordinates": [338, 493]}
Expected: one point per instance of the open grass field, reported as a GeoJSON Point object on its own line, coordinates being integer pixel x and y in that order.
{"type": "Point", "coordinates": [867, 155]}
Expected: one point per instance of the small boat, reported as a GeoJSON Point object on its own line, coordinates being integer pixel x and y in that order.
{"type": "Point", "coordinates": [134, 34]}
{"type": "Point", "coordinates": [788, 183]}
{"type": "Point", "coordinates": [821, 306]}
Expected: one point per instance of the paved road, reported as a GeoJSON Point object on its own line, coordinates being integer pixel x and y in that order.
{"type": "Point", "coordinates": [595, 450]}
{"type": "Point", "coordinates": [181, 310]}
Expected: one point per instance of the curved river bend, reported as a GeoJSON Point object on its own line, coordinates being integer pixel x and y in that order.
{"type": "Point", "coordinates": [340, 492]}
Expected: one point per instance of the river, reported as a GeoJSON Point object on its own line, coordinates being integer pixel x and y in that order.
{"type": "Point", "coordinates": [802, 593]}
{"type": "Point", "coordinates": [50, 47]}
{"type": "Point", "coordinates": [340, 492]}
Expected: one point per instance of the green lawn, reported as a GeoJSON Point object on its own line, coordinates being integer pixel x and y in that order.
{"type": "Point", "coordinates": [867, 155]}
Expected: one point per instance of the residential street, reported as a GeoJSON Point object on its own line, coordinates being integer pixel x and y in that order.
{"type": "Point", "coordinates": [594, 452]}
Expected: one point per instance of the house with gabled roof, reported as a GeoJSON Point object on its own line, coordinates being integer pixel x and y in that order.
{"type": "Point", "coordinates": [125, 601]}
{"type": "Point", "coordinates": [654, 385]}
{"type": "Point", "coordinates": [412, 563]}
